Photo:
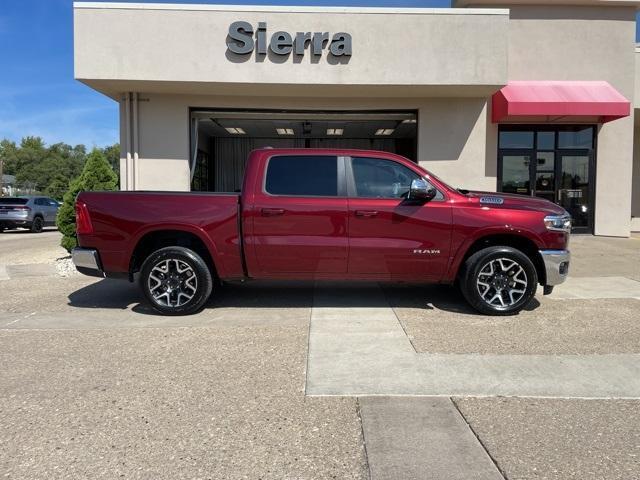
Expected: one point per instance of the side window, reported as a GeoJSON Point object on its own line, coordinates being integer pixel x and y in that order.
{"type": "Point", "coordinates": [379, 178]}
{"type": "Point", "coordinates": [39, 201]}
{"type": "Point", "coordinates": [302, 175]}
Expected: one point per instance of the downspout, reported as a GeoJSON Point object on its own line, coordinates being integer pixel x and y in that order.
{"type": "Point", "coordinates": [127, 128]}
{"type": "Point", "coordinates": [136, 142]}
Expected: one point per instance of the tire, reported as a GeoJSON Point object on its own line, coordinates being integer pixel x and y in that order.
{"type": "Point", "coordinates": [37, 225]}
{"type": "Point", "coordinates": [176, 281]}
{"type": "Point", "coordinates": [493, 281]}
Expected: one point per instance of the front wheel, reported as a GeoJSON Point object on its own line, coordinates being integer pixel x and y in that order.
{"type": "Point", "coordinates": [176, 281]}
{"type": "Point", "coordinates": [499, 281]}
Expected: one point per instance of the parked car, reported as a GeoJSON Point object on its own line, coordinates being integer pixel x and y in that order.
{"type": "Point", "coordinates": [326, 215]}
{"type": "Point", "coordinates": [30, 212]}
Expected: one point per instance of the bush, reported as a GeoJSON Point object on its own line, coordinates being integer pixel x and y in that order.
{"type": "Point", "coordinates": [97, 175]}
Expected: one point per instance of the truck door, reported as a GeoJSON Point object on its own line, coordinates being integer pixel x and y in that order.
{"type": "Point", "coordinates": [389, 236]}
{"type": "Point", "coordinates": [300, 217]}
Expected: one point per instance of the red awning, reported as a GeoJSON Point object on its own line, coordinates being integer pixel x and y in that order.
{"type": "Point", "coordinates": [556, 100]}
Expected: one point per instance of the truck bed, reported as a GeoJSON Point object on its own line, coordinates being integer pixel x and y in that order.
{"type": "Point", "coordinates": [122, 219]}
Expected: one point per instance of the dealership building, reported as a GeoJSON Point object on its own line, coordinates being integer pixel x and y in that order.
{"type": "Point", "coordinates": [536, 97]}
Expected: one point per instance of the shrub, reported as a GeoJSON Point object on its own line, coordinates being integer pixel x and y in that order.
{"type": "Point", "coordinates": [97, 175]}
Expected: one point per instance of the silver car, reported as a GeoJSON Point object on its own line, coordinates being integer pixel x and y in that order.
{"type": "Point", "coordinates": [31, 212]}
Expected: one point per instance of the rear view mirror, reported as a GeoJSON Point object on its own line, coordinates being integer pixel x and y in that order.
{"type": "Point", "coordinates": [421, 191]}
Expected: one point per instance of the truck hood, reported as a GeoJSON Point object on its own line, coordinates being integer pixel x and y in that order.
{"type": "Point", "coordinates": [514, 201]}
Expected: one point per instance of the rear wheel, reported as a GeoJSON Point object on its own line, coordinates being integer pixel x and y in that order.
{"type": "Point", "coordinates": [499, 281]}
{"type": "Point", "coordinates": [176, 281]}
{"type": "Point", "coordinates": [37, 225]}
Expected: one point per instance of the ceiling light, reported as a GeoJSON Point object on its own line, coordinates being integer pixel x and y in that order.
{"type": "Point", "coordinates": [235, 130]}
{"type": "Point", "coordinates": [410, 120]}
{"type": "Point", "coordinates": [284, 131]}
{"type": "Point", "coordinates": [335, 131]}
{"type": "Point", "coordinates": [385, 131]}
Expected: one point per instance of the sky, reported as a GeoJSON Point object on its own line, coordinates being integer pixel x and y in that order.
{"type": "Point", "coordinates": [38, 95]}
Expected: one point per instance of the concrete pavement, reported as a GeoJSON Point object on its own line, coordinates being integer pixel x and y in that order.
{"type": "Point", "coordinates": [97, 384]}
{"type": "Point", "coordinates": [363, 350]}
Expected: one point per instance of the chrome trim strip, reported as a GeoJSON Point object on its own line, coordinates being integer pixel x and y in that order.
{"type": "Point", "coordinates": [552, 261]}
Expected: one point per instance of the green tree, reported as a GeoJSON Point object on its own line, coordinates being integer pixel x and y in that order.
{"type": "Point", "coordinates": [66, 220]}
{"type": "Point", "coordinates": [58, 187]}
{"type": "Point", "coordinates": [97, 175]}
{"type": "Point", "coordinates": [113, 156]}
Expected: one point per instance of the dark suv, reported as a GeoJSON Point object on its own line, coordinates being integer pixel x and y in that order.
{"type": "Point", "coordinates": [31, 212]}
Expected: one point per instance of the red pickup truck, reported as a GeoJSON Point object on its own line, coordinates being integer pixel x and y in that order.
{"type": "Point", "coordinates": [326, 215]}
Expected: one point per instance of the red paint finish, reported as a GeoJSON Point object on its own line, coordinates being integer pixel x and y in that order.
{"type": "Point", "coordinates": [317, 237]}
{"type": "Point", "coordinates": [559, 99]}
{"type": "Point", "coordinates": [394, 240]}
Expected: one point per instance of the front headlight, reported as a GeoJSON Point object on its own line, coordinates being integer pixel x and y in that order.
{"type": "Point", "coordinates": [558, 223]}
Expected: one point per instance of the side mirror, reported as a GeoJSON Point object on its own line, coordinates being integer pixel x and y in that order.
{"type": "Point", "coordinates": [421, 191]}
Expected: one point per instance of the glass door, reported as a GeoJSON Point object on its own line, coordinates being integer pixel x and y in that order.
{"type": "Point", "coordinates": [545, 176]}
{"type": "Point", "coordinates": [574, 188]}
{"type": "Point", "coordinates": [554, 162]}
{"type": "Point", "coordinates": [515, 174]}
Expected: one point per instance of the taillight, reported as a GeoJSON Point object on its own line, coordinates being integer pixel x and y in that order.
{"type": "Point", "coordinates": [83, 220]}
{"type": "Point", "coordinates": [21, 209]}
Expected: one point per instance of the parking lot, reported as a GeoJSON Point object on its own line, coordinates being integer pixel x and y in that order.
{"type": "Point", "coordinates": [303, 381]}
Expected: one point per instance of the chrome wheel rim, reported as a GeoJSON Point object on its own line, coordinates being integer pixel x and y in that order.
{"type": "Point", "coordinates": [172, 283]}
{"type": "Point", "coordinates": [502, 283]}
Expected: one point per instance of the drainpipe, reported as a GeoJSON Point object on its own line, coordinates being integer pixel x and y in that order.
{"type": "Point", "coordinates": [136, 142]}
{"type": "Point", "coordinates": [128, 184]}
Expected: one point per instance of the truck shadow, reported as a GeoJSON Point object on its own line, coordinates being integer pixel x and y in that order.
{"type": "Point", "coordinates": [121, 295]}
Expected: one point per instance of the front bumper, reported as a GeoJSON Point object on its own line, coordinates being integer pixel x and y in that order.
{"type": "Point", "coordinates": [87, 261]}
{"type": "Point", "coordinates": [556, 264]}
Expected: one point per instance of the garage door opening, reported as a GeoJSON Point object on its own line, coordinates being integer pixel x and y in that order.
{"type": "Point", "coordinates": [221, 140]}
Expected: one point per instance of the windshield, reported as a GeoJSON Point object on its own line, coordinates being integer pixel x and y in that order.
{"type": "Point", "coordinates": [13, 201]}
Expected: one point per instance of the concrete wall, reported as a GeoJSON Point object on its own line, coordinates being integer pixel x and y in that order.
{"type": "Point", "coordinates": [452, 136]}
{"type": "Point", "coordinates": [585, 43]}
{"type": "Point", "coordinates": [390, 46]}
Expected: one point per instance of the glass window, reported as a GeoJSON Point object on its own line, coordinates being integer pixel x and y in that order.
{"type": "Point", "coordinates": [509, 139]}
{"type": "Point", "coordinates": [515, 174]}
{"type": "Point", "coordinates": [379, 178]}
{"type": "Point", "coordinates": [546, 161]}
{"type": "Point", "coordinates": [546, 140]}
{"type": "Point", "coordinates": [308, 175]}
{"type": "Point", "coordinates": [576, 137]}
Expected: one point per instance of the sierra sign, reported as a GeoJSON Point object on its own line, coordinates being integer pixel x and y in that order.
{"type": "Point", "coordinates": [241, 41]}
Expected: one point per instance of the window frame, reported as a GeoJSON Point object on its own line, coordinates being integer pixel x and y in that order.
{"type": "Point", "coordinates": [340, 177]}
{"type": "Point", "coordinates": [351, 181]}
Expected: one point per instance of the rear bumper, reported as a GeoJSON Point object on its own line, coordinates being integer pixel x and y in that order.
{"type": "Point", "coordinates": [556, 264]}
{"type": "Point", "coordinates": [87, 261]}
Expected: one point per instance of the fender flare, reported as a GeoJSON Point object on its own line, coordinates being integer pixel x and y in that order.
{"type": "Point", "coordinates": [181, 227]}
{"type": "Point", "coordinates": [457, 257]}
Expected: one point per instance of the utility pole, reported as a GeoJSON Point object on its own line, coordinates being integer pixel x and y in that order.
{"type": "Point", "coordinates": [1, 177]}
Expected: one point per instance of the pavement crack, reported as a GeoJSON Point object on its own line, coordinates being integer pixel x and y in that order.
{"type": "Point", "coordinates": [484, 447]}
{"type": "Point", "coordinates": [386, 298]}
{"type": "Point", "coordinates": [364, 440]}
{"type": "Point", "coordinates": [306, 369]}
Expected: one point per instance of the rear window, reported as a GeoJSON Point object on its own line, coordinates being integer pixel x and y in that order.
{"type": "Point", "coordinates": [13, 201]}
{"type": "Point", "coordinates": [303, 175]}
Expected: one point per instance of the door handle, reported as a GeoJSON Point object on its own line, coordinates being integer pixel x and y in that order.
{"type": "Point", "coordinates": [272, 212]}
{"type": "Point", "coordinates": [366, 213]}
